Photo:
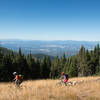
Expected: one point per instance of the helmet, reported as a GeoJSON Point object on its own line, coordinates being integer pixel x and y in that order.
{"type": "Point", "coordinates": [62, 73]}
{"type": "Point", "coordinates": [14, 73]}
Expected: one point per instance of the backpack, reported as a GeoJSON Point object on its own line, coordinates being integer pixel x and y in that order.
{"type": "Point", "coordinates": [66, 76]}
{"type": "Point", "coordinates": [21, 77]}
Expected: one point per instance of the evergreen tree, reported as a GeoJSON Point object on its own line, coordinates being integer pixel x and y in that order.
{"type": "Point", "coordinates": [1, 59]}
{"type": "Point", "coordinates": [72, 69]}
{"type": "Point", "coordinates": [62, 62]}
{"type": "Point", "coordinates": [92, 63]}
{"type": "Point", "coordinates": [21, 65]}
{"type": "Point", "coordinates": [2, 67]}
{"type": "Point", "coordinates": [81, 61]}
{"type": "Point", "coordinates": [34, 67]}
{"type": "Point", "coordinates": [8, 66]}
{"type": "Point", "coordinates": [45, 67]}
{"type": "Point", "coordinates": [54, 73]}
{"type": "Point", "coordinates": [97, 56]}
{"type": "Point", "coordinates": [38, 68]}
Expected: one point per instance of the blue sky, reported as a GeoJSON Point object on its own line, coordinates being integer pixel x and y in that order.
{"type": "Point", "coordinates": [50, 19]}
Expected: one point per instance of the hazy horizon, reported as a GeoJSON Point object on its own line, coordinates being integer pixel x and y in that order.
{"type": "Point", "coordinates": [50, 40]}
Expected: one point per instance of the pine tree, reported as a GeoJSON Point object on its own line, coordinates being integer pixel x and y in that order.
{"type": "Point", "coordinates": [2, 67]}
{"type": "Point", "coordinates": [38, 68]}
{"type": "Point", "coordinates": [97, 56]}
{"type": "Point", "coordinates": [54, 73]}
{"type": "Point", "coordinates": [92, 63]}
{"type": "Point", "coordinates": [62, 62]}
{"type": "Point", "coordinates": [1, 59]}
{"type": "Point", "coordinates": [81, 61]}
{"type": "Point", "coordinates": [45, 67]}
{"type": "Point", "coordinates": [20, 64]}
{"type": "Point", "coordinates": [72, 69]}
{"type": "Point", "coordinates": [34, 67]}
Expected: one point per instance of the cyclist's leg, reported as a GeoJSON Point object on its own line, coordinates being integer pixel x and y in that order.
{"type": "Point", "coordinates": [65, 81]}
{"type": "Point", "coordinates": [20, 81]}
{"type": "Point", "coordinates": [17, 83]}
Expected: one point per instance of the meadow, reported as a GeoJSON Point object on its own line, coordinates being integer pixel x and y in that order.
{"type": "Point", "coordinates": [87, 88]}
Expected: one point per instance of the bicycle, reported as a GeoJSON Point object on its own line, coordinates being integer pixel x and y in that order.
{"type": "Point", "coordinates": [17, 83]}
{"type": "Point", "coordinates": [69, 83]}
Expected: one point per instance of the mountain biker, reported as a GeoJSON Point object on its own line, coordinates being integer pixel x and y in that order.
{"type": "Point", "coordinates": [64, 77]}
{"type": "Point", "coordinates": [18, 78]}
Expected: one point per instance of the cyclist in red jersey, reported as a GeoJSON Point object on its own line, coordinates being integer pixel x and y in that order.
{"type": "Point", "coordinates": [17, 79]}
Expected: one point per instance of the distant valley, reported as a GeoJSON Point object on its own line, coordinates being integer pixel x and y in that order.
{"type": "Point", "coordinates": [52, 48]}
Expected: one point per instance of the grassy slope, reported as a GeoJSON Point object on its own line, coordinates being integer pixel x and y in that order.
{"type": "Point", "coordinates": [46, 90]}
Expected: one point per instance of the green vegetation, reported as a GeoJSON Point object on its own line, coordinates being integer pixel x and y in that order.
{"type": "Point", "coordinates": [85, 63]}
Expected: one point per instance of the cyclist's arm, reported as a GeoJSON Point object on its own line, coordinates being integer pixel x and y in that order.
{"type": "Point", "coordinates": [61, 78]}
{"type": "Point", "coordinates": [14, 79]}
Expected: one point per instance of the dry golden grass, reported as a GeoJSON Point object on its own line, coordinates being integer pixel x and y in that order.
{"type": "Point", "coordinates": [47, 90]}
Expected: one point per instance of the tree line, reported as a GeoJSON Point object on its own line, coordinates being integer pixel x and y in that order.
{"type": "Point", "coordinates": [85, 63]}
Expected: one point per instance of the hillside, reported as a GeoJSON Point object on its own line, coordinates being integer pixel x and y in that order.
{"type": "Point", "coordinates": [38, 56]}
{"type": "Point", "coordinates": [6, 51]}
{"type": "Point", "coordinates": [47, 90]}
{"type": "Point", "coordinates": [41, 56]}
